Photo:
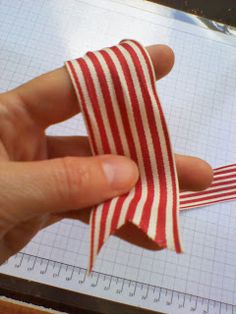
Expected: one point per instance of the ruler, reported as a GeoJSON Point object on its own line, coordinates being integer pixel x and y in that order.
{"type": "Point", "coordinates": [111, 287]}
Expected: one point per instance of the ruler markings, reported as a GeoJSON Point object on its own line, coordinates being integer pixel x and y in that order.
{"type": "Point", "coordinates": [115, 285]}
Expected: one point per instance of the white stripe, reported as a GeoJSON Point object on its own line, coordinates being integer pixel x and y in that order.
{"type": "Point", "coordinates": [97, 229]}
{"type": "Point", "coordinates": [223, 175]}
{"type": "Point", "coordinates": [114, 101]}
{"type": "Point", "coordinates": [233, 167]}
{"type": "Point", "coordinates": [206, 202]}
{"type": "Point", "coordinates": [90, 262]}
{"type": "Point", "coordinates": [154, 210]}
{"type": "Point", "coordinates": [135, 138]}
{"type": "Point", "coordinates": [120, 126]}
{"type": "Point", "coordinates": [210, 190]}
{"type": "Point", "coordinates": [96, 133]}
{"type": "Point", "coordinates": [148, 139]}
{"type": "Point", "coordinates": [89, 106]}
{"type": "Point", "coordinates": [104, 115]}
{"type": "Point", "coordinates": [215, 194]}
{"type": "Point", "coordinates": [101, 103]}
{"type": "Point", "coordinates": [169, 215]}
{"type": "Point", "coordinates": [73, 80]}
{"type": "Point", "coordinates": [110, 215]}
{"type": "Point", "coordinates": [169, 205]}
{"type": "Point", "coordinates": [221, 182]}
{"type": "Point", "coordinates": [79, 98]}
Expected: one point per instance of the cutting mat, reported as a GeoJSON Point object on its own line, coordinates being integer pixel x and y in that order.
{"type": "Point", "coordinates": [199, 102]}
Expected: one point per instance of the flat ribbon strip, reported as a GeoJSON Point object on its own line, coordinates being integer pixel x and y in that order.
{"type": "Point", "coordinates": [223, 188]}
{"type": "Point", "coordinates": [116, 92]}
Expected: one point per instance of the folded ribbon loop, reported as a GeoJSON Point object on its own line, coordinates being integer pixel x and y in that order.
{"type": "Point", "coordinates": [117, 95]}
{"type": "Point", "coordinates": [116, 92]}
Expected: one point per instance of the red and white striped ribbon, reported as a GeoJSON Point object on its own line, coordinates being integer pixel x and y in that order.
{"type": "Point", "coordinates": [223, 188]}
{"type": "Point", "coordinates": [116, 93]}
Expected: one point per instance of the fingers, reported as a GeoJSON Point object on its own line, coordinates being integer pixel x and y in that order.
{"type": "Point", "coordinates": [128, 232]}
{"type": "Point", "coordinates": [63, 184]}
{"type": "Point", "coordinates": [163, 59]}
{"type": "Point", "coordinates": [51, 98]}
{"type": "Point", "coordinates": [62, 146]}
{"type": "Point", "coordinates": [193, 173]}
{"type": "Point", "coordinates": [18, 236]}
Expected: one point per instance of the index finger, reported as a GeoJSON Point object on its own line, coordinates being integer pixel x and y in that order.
{"type": "Point", "coordinates": [50, 98]}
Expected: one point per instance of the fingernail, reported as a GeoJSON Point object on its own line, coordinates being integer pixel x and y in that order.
{"type": "Point", "coordinates": [121, 172]}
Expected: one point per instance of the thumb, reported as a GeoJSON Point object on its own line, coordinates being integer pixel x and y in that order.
{"type": "Point", "coordinates": [30, 188]}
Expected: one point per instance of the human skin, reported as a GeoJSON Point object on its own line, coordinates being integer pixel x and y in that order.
{"type": "Point", "coordinates": [44, 179]}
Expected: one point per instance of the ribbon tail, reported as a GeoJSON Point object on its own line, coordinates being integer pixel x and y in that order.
{"type": "Point", "coordinates": [223, 188]}
{"type": "Point", "coordinates": [117, 95]}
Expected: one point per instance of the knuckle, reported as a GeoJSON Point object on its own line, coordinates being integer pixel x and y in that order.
{"type": "Point", "coordinates": [74, 179]}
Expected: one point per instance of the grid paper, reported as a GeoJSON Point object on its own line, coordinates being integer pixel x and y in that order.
{"type": "Point", "coordinates": [198, 98]}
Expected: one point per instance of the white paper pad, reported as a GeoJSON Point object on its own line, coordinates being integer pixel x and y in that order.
{"type": "Point", "coordinates": [199, 100]}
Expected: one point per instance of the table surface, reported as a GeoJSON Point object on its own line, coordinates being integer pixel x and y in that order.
{"type": "Point", "coordinates": [70, 302]}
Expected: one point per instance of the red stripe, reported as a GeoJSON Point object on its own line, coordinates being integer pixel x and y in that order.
{"type": "Point", "coordinates": [83, 108]}
{"type": "Point", "coordinates": [212, 191]}
{"type": "Point", "coordinates": [114, 130]}
{"type": "Point", "coordinates": [117, 211]}
{"type": "Point", "coordinates": [208, 198]}
{"type": "Point", "coordinates": [225, 171]}
{"type": "Point", "coordinates": [225, 167]}
{"type": "Point", "coordinates": [130, 141]}
{"type": "Point", "coordinates": [89, 128]}
{"type": "Point", "coordinates": [161, 223]}
{"type": "Point", "coordinates": [170, 157]}
{"type": "Point", "coordinates": [121, 102]}
{"type": "Point", "coordinates": [105, 210]}
{"type": "Point", "coordinates": [205, 197]}
{"type": "Point", "coordinates": [139, 126]}
{"type": "Point", "coordinates": [145, 218]}
{"type": "Point", "coordinates": [95, 104]}
{"type": "Point", "coordinates": [227, 182]}
{"type": "Point", "coordinates": [103, 135]}
{"type": "Point", "coordinates": [225, 177]}
{"type": "Point", "coordinates": [143, 141]}
{"type": "Point", "coordinates": [108, 102]}
{"type": "Point", "coordinates": [182, 207]}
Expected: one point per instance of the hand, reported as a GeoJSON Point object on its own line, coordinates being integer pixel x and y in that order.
{"type": "Point", "coordinates": [44, 179]}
